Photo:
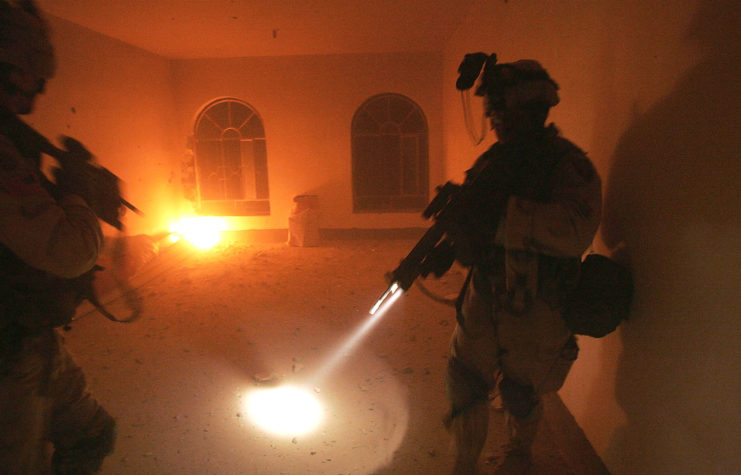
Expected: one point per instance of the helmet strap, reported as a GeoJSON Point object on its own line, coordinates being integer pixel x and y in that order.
{"type": "Point", "coordinates": [476, 132]}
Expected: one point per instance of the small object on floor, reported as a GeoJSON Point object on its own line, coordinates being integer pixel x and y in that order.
{"type": "Point", "coordinates": [516, 462]}
{"type": "Point", "coordinates": [491, 460]}
{"type": "Point", "coordinates": [265, 378]}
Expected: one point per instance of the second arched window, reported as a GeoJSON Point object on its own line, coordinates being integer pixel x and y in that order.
{"type": "Point", "coordinates": [389, 155]}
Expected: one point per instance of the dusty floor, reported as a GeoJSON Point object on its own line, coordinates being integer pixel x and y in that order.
{"type": "Point", "coordinates": [216, 324]}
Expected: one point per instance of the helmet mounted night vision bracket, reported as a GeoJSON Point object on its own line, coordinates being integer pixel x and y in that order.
{"type": "Point", "coordinates": [469, 73]}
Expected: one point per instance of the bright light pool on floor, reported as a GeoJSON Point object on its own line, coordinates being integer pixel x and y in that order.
{"type": "Point", "coordinates": [285, 410]}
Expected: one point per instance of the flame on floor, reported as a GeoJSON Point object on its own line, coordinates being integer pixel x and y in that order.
{"type": "Point", "coordinates": [204, 232]}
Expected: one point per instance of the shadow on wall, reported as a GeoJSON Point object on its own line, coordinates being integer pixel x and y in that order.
{"type": "Point", "coordinates": [673, 196]}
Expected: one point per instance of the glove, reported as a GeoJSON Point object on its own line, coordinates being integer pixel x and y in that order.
{"type": "Point", "coordinates": [74, 147]}
{"type": "Point", "coordinates": [467, 242]}
{"type": "Point", "coordinates": [439, 260]}
{"type": "Point", "coordinates": [96, 185]}
{"type": "Point", "coordinates": [74, 175]}
{"type": "Point", "coordinates": [68, 182]}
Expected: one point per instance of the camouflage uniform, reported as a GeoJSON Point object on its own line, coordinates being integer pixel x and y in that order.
{"type": "Point", "coordinates": [510, 330]}
{"type": "Point", "coordinates": [49, 242]}
{"type": "Point", "coordinates": [43, 395]}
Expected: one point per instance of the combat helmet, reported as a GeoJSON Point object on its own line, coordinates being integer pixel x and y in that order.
{"type": "Point", "coordinates": [507, 85]}
{"type": "Point", "coordinates": [24, 39]}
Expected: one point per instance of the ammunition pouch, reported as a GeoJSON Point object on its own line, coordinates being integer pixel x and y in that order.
{"type": "Point", "coordinates": [32, 300]}
{"type": "Point", "coordinates": [557, 277]}
{"type": "Point", "coordinates": [47, 304]}
{"type": "Point", "coordinates": [518, 399]}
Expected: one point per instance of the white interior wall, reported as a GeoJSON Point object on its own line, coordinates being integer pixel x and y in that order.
{"type": "Point", "coordinates": [135, 110]}
{"type": "Point", "coordinates": [117, 100]}
{"type": "Point", "coordinates": [307, 104]}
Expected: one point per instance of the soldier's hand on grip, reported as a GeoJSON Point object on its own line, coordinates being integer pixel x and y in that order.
{"type": "Point", "coordinates": [462, 231]}
{"type": "Point", "coordinates": [96, 185]}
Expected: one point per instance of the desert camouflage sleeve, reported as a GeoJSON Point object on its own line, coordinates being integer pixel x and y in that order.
{"type": "Point", "coordinates": [564, 226]}
{"type": "Point", "coordinates": [62, 238]}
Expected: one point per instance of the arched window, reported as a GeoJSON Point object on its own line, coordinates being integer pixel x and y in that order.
{"type": "Point", "coordinates": [231, 169]}
{"type": "Point", "coordinates": [389, 155]}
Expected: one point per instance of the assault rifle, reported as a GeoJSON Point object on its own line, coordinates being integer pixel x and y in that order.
{"type": "Point", "coordinates": [432, 253]}
{"type": "Point", "coordinates": [455, 208]}
{"type": "Point", "coordinates": [103, 186]}
{"type": "Point", "coordinates": [99, 187]}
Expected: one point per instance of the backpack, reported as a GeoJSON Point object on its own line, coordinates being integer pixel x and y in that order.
{"type": "Point", "coordinates": [601, 299]}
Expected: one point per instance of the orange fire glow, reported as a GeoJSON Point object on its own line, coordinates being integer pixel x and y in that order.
{"type": "Point", "coordinates": [204, 232]}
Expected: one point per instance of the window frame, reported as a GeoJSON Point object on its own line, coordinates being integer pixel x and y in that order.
{"type": "Point", "coordinates": [252, 151]}
{"type": "Point", "coordinates": [389, 128]}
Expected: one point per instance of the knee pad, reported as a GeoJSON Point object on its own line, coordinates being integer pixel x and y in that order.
{"type": "Point", "coordinates": [87, 454]}
{"type": "Point", "coordinates": [465, 387]}
{"type": "Point", "coordinates": [518, 399]}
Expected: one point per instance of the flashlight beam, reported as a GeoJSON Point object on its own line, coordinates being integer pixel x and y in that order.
{"type": "Point", "coordinates": [379, 309]}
